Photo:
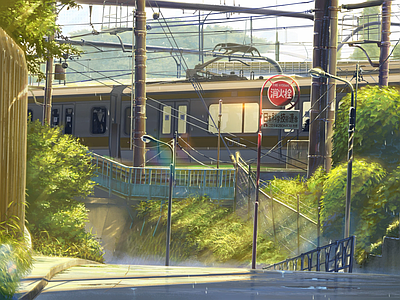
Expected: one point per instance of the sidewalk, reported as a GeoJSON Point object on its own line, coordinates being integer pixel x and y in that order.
{"type": "Point", "coordinates": [43, 269]}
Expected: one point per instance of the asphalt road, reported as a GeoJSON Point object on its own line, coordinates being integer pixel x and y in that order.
{"type": "Point", "coordinates": [100, 282]}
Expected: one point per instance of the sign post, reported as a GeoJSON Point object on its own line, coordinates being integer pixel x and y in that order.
{"type": "Point", "coordinates": [281, 92]}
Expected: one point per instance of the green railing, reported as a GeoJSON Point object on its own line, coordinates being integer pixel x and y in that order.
{"type": "Point", "coordinates": [153, 182]}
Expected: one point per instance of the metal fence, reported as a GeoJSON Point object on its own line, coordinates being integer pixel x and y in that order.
{"type": "Point", "coordinates": [13, 129]}
{"type": "Point", "coordinates": [288, 226]}
{"type": "Point", "coordinates": [330, 258]}
{"type": "Point", "coordinates": [154, 182]}
{"type": "Point", "coordinates": [259, 68]}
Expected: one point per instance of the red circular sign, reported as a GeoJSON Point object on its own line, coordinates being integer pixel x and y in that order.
{"type": "Point", "coordinates": [280, 93]}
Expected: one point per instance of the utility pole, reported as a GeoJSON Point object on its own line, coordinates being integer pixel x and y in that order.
{"type": "Point", "coordinates": [48, 90]}
{"type": "Point", "coordinates": [46, 118]}
{"type": "Point", "coordinates": [333, 12]}
{"type": "Point", "coordinates": [140, 83]}
{"type": "Point", "coordinates": [385, 44]}
{"type": "Point", "coordinates": [316, 150]}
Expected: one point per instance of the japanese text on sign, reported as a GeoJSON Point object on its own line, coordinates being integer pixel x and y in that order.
{"type": "Point", "coordinates": [280, 93]}
{"type": "Point", "coordinates": [280, 119]}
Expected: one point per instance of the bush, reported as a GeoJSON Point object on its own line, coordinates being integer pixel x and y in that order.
{"type": "Point", "coordinates": [369, 217]}
{"type": "Point", "coordinates": [15, 258]}
{"type": "Point", "coordinates": [377, 135]}
{"type": "Point", "coordinates": [59, 170]}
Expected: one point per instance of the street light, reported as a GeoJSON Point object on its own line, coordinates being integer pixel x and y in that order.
{"type": "Point", "coordinates": [147, 139]}
{"type": "Point", "coordinates": [318, 73]}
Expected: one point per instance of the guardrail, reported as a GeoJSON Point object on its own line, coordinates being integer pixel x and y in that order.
{"type": "Point", "coordinates": [154, 182]}
{"type": "Point", "coordinates": [330, 258]}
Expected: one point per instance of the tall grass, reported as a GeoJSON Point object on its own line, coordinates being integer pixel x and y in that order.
{"type": "Point", "coordinates": [202, 231]}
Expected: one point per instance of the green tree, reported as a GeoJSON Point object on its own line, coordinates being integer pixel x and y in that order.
{"type": "Point", "coordinates": [59, 170]}
{"type": "Point", "coordinates": [377, 135]}
{"type": "Point", "coordinates": [29, 23]}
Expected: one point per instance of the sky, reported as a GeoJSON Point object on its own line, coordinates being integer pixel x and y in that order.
{"type": "Point", "coordinates": [296, 43]}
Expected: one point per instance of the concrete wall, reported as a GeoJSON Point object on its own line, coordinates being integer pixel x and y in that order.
{"type": "Point", "coordinates": [387, 263]}
{"type": "Point", "coordinates": [109, 218]}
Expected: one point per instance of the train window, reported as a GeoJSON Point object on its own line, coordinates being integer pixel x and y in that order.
{"type": "Point", "coordinates": [251, 112]}
{"type": "Point", "coordinates": [127, 120]}
{"type": "Point", "coordinates": [166, 121]}
{"type": "Point", "coordinates": [99, 120]}
{"type": "Point", "coordinates": [182, 109]}
{"type": "Point", "coordinates": [306, 116]}
{"type": "Point", "coordinates": [231, 120]}
{"type": "Point", "coordinates": [30, 115]}
{"type": "Point", "coordinates": [69, 112]}
{"type": "Point", "coordinates": [55, 117]}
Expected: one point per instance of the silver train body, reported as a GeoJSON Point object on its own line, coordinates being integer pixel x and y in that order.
{"type": "Point", "coordinates": [100, 117]}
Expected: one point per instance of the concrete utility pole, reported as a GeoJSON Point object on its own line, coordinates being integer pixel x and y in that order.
{"type": "Point", "coordinates": [333, 12]}
{"type": "Point", "coordinates": [385, 44]}
{"type": "Point", "coordinates": [140, 83]}
{"type": "Point", "coordinates": [316, 150]}
{"type": "Point", "coordinates": [48, 90]}
{"type": "Point", "coordinates": [49, 83]}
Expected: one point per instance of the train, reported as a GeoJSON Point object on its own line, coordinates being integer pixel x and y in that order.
{"type": "Point", "coordinates": [100, 117]}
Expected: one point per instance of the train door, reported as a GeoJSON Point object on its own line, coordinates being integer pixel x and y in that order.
{"type": "Point", "coordinates": [174, 118]}
{"type": "Point", "coordinates": [63, 115]}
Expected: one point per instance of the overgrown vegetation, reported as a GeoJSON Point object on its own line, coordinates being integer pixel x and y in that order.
{"type": "Point", "coordinates": [375, 190]}
{"type": "Point", "coordinates": [308, 192]}
{"type": "Point", "coordinates": [377, 136]}
{"type": "Point", "coordinates": [202, 230]}
{"type": "Point", "coordinates": [59, 170]}
{"type": "Point", "coordinates": [15, 258]}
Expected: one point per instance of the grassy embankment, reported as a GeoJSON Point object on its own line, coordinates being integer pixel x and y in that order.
{"type": "Point", "coordinates": [202, 231]}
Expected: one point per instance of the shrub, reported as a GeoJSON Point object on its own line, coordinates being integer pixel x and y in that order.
{"type": "Point", "coordinates": [377, 135]}
{"type": "Point", "coordinates": [59, 170]}
{"type": "Point", "coordinates": [368, 210]}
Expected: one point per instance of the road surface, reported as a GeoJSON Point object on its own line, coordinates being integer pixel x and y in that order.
{"type": "Point", "coordinates": [123, 282]}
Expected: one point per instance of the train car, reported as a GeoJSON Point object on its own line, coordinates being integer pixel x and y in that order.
{"type": "Point", "coordinates": [100, 117]}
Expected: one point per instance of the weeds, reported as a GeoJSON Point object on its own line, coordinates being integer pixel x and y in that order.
{"type": "Point", "coordinates": [202, 231]}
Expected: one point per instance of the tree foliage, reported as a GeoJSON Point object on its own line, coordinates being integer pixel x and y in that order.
{"type": "Point", "coordinates": [59, 170]}
{"type": "Point", "coordinates": [377, 135]}
{"type": "Point", "coordinates": [30, 23]}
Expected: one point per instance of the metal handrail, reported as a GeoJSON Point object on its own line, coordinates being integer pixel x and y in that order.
{"type": "Point", "coordinates": [332, 258]}
{"type": "Point", "coordinates": [153, 181]}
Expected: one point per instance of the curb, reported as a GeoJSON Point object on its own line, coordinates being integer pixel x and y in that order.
{"type": "Point", "coordinates": [32, 294]}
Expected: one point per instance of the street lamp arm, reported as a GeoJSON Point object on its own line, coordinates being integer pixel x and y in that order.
{"type": "Point", "coordinates": [319, 72]}
{"type": "Point", "coordinates": [148, 138]}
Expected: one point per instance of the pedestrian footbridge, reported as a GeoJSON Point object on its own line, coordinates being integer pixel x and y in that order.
{"type": "Point", "coordinates": [153, 182]}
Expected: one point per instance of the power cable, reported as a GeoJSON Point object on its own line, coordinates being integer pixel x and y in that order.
{"type": "Point", "coordinates": [209, 157]}
{"type": "Point", "coordinates": [197, 86]}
